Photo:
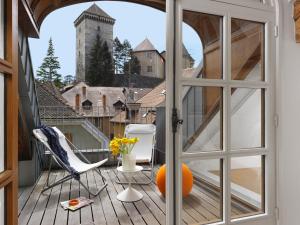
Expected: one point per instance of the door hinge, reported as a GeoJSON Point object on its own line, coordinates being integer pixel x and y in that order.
{"type": "Point", "coordinates": [276, 120]}
{"type": "Point", "coordinates": [276, 31]}
{"type": "Point", "coordinates": [175, 120]}
{"type": "Point", "coordinates": [277, 213]}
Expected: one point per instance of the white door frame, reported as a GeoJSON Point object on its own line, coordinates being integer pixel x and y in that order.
{"type": "Point", "coordinates": [174, 155]}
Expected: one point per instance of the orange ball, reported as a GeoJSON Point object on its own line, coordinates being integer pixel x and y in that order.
{"type": "Point", "coordinates": [187, 180]}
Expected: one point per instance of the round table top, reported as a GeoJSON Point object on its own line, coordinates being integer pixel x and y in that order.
{"type": "Point", "coordinates": [136, 169]}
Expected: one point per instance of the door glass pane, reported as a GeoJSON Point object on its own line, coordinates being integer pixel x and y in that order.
{"type": "Point", "coordinates": [247, 186]}
{"type": "Point", "coordinates": [204, 203]}
{"type": "Point", "coordinates": [2, 152]}
{"type": "Point", "coordinates": [247, 50]}
{"type": "Point", "coordinates": [2, 206]}
{"type": "Point", "coordinates": [201, 114]}
{"type": "Point", "coordinates": [202, 45]}
{"type": "Point", "coordinates": [1, 28]}
{"type": "Point", "coordinates": [247, 118]}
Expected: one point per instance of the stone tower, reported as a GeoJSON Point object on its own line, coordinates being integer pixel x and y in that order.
{"type": "Point", "coordinates": [91, 22]}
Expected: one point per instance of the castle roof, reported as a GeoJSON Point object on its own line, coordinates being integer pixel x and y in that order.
{"type": "Point", "coordinates": [145, 45]}
{"type": "Point", "coordinates": [96, 10]}
{"type": "Point", "coordinates": [95, 13]}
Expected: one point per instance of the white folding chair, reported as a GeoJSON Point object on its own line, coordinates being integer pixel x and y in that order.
{"type": "Point", "coordinates": [76, 163]}
{"type": "Point", "coordinates": [144, 148]}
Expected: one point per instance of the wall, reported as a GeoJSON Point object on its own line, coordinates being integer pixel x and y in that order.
{"type": "Point", "coordinates": [288, 105]}
{"type": "Point", "coordinates": [155, 60]}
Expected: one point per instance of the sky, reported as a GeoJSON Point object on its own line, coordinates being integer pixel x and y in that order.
{"type": "Point", "coordinates": [133, 22]}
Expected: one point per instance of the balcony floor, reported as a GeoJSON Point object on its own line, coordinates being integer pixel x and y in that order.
{"type": "Point", "coordinates": [36, 208]}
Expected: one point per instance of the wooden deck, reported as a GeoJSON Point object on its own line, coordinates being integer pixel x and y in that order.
{"type": "Point", "coordinates": [35, 208]}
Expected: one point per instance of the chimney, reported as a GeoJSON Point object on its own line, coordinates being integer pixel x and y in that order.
{"type": "Point", "coordinates": [104, 102]}
{"type": "Point", "coordinates": [77, 101]}
{"type": "Point", "coordinates": [84, 91]}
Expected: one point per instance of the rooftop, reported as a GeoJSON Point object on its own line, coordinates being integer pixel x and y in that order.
{"type": "Point", "coordinates": [96, 95]}
{"type": "Point", "coordinates": [96, 13]}
{"type": "Point", "coordinates": [145, 45]}
{"type": "Point", "coordinates": [51, 102]}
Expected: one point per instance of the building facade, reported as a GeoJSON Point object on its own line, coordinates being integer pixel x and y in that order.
{"type": "Point", "coordinates": [91, 23]}
{"type": "Point", "coordinates": [151, 62]}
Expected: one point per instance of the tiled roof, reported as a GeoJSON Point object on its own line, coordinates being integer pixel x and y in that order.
{"type": "Point", "coordinates": [52, 104]}
{"type": "Point", "coordinates": [95, 95]}
{"type": "Point", "coordinates": [154, 97]}
{"type": "Point", "coordinates": [145, 45]}
{"type": "Point", "coordinates": [96, 10]}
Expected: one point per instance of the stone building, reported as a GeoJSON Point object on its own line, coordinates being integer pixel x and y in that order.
{"type": "Point", "coordinates": [152, 63]}
{"type": "Point", "coordinates": [91, 22]}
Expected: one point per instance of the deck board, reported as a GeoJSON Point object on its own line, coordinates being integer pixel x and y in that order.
{"type": "Point", "coordinates": [199, 207]}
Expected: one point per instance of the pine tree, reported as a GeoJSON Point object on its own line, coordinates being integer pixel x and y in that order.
{"type": "Point", "coordinates": [69, 79]}
{"type": "Point", "coordinates": [48, 71]}
{"type": "Point", "coordinates": [122, 56]}
{"type": "Point", "coordinates": [117, 54]}
{"type": "Point", "coordinates": [108, 70]}
{"type": "Point", "coordinates": [100, 70]}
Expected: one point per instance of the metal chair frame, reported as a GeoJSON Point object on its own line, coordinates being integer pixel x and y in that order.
{"type": "Point", "coordinates": [69, 176]}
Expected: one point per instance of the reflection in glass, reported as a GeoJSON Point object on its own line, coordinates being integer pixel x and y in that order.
{"type": "Point", "coordinates": [247, 50]}
{"type": "Point", "coordinates": [205, 202]}
{"type": "Point", "coordinates": [247, 185]}
{"type": "Point", "coordinates": [205, 51]}
{"type": "Point", "coordinates": [247, 118]}
{"type": "Point", "coordinates": [201, 114]}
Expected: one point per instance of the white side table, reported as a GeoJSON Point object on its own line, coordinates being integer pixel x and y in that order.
{"type": "Point", "coordinates": [129, 194]}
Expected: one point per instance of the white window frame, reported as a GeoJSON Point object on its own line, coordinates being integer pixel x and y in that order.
{"type": "Point", "coordinates": [265, 14]}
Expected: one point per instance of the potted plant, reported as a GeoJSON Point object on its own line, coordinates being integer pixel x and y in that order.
{"type": "Point", "coordinates": [124, 146]}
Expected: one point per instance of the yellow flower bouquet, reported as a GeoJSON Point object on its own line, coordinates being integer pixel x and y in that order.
{"type": "Point", "coordinates": [122, 145]}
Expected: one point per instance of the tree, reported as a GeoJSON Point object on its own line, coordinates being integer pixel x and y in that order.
{"type": "Point", "coordinates": [133, 66]}
{"type": "Point", "coordinates": [48, 71]}
{"type": "Point", "coordinates": [123, 54]}
{"type": "Point", "coordinates": [117, 54]}
{"type": "Point", "coordinates": [100, 70]}
{"type": "Point", "coordinates": [69, 79]}
{"type": "Point", "coordinates": [108, 70]}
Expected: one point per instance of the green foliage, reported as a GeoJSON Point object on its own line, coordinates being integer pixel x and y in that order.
{"type": "Point", "coordinates": [118, 55]}
{"type": "Point", "coordinates": [48, 71]}
{"type": "Point", "coordinates": [69, 79]}
{"type": "Point", "coordinates": [133, 66]}
{"type": "Point", "coordinates": [124, 60]}
{"type": "Point", "coordinates": [100, 71]}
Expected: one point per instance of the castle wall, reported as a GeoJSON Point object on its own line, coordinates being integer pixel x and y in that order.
{"type": "Point", "coordinates": [153, 59]}
{"type": "Point", "coordinates": [80, 51]}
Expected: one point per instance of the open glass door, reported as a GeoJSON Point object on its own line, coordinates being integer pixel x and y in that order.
{"type": "Point", "coordinates": [8, 112]}
{"type": "Point", "coordinates": [224, 101]}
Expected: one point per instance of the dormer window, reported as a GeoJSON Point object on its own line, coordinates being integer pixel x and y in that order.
{"type": "Point", "coordinates": [87, 105]}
